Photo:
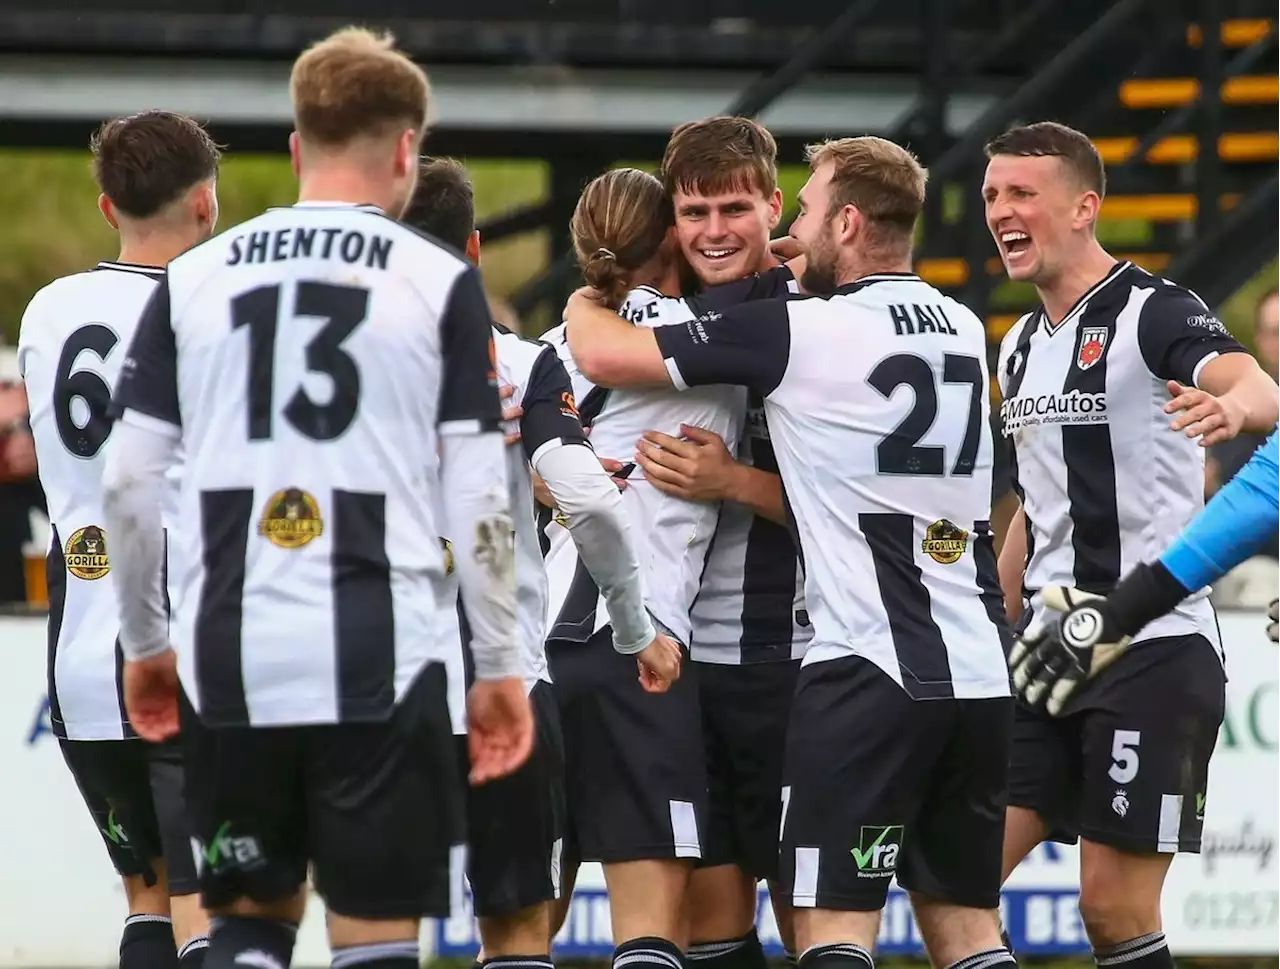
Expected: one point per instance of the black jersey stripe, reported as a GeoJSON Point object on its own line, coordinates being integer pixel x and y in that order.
{"type": "Point", "coordinates": [364, 630]}
{"type": "Point", "coordinates": [224, 525]}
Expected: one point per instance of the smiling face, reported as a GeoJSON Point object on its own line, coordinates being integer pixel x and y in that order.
{"type": "Point", "coordinates": [725, 236]}
{"type": "Point", "coordinates": [1039, 214]}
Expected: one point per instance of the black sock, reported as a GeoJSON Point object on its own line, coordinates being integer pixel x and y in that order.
{"type": "Point", "coordinates": [1000, 958]}
{"type": "Point", "coordinates": [147, 943]}
{"type": "Point", "coordinates": [378, 955]}
{"type": "Point", "coordinates": [191, 955]}
{"type": "Point", "coordinates": [235, 935]}
{"type": "Point", "coordinates": [837, 955]}
{"type": "Point", "coordinates": [741, 953]}
{"type": "Point", "coordinates": [648, 951]}
{"type": "Point", "coordinates": [1146, 952]}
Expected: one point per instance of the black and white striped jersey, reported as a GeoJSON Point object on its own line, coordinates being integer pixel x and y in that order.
{"type": "Point", "coordinates": [320, 365]}
{"type": "Point", "coordinates": [672, 535]}
{"type": "Point", "coordinates": [878, 411]}
{"type": "Point", "coordinates": [750, 604]}
{"type": "Point", "coordinates": [542, 390]}
{"type": "Point", "coordinates": [74, 336]}
{"type": "Point", "coordinates": [1105, 484]}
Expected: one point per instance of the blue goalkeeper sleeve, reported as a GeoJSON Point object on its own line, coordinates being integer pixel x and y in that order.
{"type": "Point", "coordinates": [1233, 526]}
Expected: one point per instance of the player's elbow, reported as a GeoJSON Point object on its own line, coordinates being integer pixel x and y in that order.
{"type": "Point", "coordinates": [600, 365]}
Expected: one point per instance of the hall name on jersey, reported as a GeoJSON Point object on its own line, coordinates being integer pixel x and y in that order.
{"type": "Point", "coordinates": [350, 245]}
{"type": "Point", "coordinates": [1072, 408]}
{"type": "Point", "coordinates": [910, 319]}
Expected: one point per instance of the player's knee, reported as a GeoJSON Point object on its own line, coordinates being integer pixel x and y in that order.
{"type": "Point", "coordinates": [523, 933]}
{"type": "Point", "coordinates": [646, 898]}
{"type": "Point", "coordinates": [146, 899]}
{"type": "Point", "coordinates": [721, 903]}
{"type": "Point", "coordinates": [1113, 912]}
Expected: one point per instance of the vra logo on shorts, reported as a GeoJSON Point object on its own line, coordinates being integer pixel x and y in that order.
{"type": "Point", "coordinates": [86, 553]}
{"type": "Point", "coordinates": [291, 519]}
{"type": "Point", "coordinates": [945, 542]}
{"type": "Point", "coordinates": [877, 853]}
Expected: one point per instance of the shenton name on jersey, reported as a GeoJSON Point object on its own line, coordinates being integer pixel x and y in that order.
{"type": "Point", "coordinates": [1070, 408]}
{"type": "Point", "coordinates": [299, 242]}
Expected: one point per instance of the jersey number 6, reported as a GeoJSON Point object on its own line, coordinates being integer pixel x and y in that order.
{"type": "Point", "coordinates": [83, 440]}
{"type": "Point", "coordinates": [343, 308]}
{"type": "Point", "coordinates": [899, 451]}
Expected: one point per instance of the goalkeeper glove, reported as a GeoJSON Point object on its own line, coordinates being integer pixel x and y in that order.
{"type": "Point", "coordinates": [1073, 639]}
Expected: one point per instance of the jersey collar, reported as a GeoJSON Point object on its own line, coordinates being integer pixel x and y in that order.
{"type": "Point", "coordinates": [130, 267]}
{"type": "Point", "coordinates": [862, 282]}
{"type": "Point", "coordinates": [362, 206]}
{"type": "Point", "coordinates": [1114, 273]}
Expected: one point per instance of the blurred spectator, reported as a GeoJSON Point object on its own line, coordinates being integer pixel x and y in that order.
{"type": "Point", "coordinates": [19, 487]}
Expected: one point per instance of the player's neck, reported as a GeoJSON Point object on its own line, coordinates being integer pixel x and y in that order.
{"type": "Point", "coordinates": [343, 185]}
{"type": "Point", "coordinates": [153, 250]}
{"type": "Point", "coordinates": [1079, 276]}
{"type": "Point", "coordinates": [871, 267]}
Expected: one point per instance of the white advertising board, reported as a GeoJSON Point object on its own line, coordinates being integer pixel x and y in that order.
{"type": "Point", "coordinates": [61, 903]}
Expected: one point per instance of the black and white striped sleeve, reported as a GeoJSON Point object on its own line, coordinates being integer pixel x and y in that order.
{"type": "Point", "coordinates": [747, 344]}
{"type": "Point", "coordinates": [148, 381]}
{"type": "Point", "coordinates": [469, 381]}
{"type": "Point", "coordinates": [550, 412]}
{"type": "Point", "coordinates": [1178, 335]}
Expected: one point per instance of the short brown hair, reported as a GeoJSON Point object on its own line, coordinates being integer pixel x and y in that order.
{"type": "Point", "coordinates": [718, 155]}
{"type": "Point", "coordinates": [881, 180]}
{"type": "Point", "coordinates": [1050, 139]}
{"type": "Point", "coordinates": [443, 203]}
{"type": "Point", "coordinates": [618, 225]}
{"type": "Point", "coordinates": [144, 162]}
{"type": "Point", "coordinates": [356, 83]}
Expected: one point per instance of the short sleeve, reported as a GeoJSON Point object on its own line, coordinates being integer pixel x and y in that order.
{"type": "Point", "coordinates": [469, 386]}
{"type": "Point", "coordinates": [1178, 335]}
{"type": "Point", "coordinates": [550, 412]}
{"type": "Point", "coordinates": [148, 381]}
{"type": "Point", "coordinates": [747, 344]}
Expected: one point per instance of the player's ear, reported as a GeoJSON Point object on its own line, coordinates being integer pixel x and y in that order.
{"type": "Point", "coordinates": [295, 154]}
{"type": "Point", "coordinates": [472, 249]}
{"type": "Point", "coordinates": [849, 223]}
{"type": "Point", "coordinates": [407, 152]}
{"type": "Point", "coordinates": [1088, 206]}
{"type": "Point", "coordinates": [775, 209]}
{"type": "Point", "coordinates": [108, 211]}
{"type": "Point", "coordinates": [206, 205]}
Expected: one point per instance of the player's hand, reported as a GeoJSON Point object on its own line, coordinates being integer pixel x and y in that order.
{"type": "Point", "coordinates": [698, 467]}
{"type": "Point", "coordinates": [510, 415]}
{"type": "Point", "coordinates": [1071, 641]}
{"type": "Point", "coordinates": [659, 664]}
{"type": "Point", "coordinates": [1273, 627]}
{"type": "Point", "coordinates": [499, 728]}
{"type": "Point", "coordinates": [151, 696]}
{"type": "Point", "coordinates": [785, 247]}
{"type": "Point", "coordinates": [1212, 419]}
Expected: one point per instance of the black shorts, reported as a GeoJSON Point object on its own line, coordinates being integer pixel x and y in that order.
{"type": "Point", "coordinates": [375, 808]}
{"type": "Point", "coordinates": [1128, 764]}
{"type": "Point", "coordinates": [744, 726]}
{"type": "Point", "coordinates": [515, 826]}
{"type": "Point", "coordinates": [133, 789]}
{"type": "Point", "coordinates": [635, 781]}
{"type": "Point", "coordinates": [878, 784]}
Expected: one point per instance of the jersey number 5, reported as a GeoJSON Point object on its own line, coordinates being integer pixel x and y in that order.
{"type": "Point", "coordinates": [83, 440]}
{"type": "Point", "coordinates": [899, 451]}
{"type": "Point", "coordinates": [343, 308]}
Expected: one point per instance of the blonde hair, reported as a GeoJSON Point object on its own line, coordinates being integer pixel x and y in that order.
{"type": "Point", "coordinates": [355, 83]}
{"type": "Point", "coordinates": [619, 224]}
{"type": "Point", "coordinates": [881, 180]}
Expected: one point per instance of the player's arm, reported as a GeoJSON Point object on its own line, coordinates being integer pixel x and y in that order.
{"type": "Point", "coordinates": [1218, 388]}
{"type": "Point", "coordinates": [1013, 564]}
{"type": "Point", "coordinates": [748, 344]}
{"type": "Point", "coordinates": [761, 491]}
{"type": "Point", "coordinates": [1087, 633]}
{"type": "Point", "coordinates": [473, 480]}
{"type": "Point", "coordinates": [142, 448]}
{"type": "Point", "coordinates": [557, 448]}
